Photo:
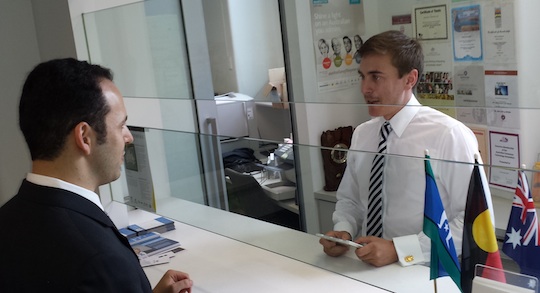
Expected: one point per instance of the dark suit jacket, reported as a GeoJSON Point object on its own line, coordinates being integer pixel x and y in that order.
{"type": "Point", "coordinates": [53, 240]}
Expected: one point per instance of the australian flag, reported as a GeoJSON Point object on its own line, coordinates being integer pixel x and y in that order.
{"type": "Point", "coordinates": [521, 242]}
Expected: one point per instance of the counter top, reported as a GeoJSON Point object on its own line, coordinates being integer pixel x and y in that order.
{"type": "Point", "coordinates": [264, 257]}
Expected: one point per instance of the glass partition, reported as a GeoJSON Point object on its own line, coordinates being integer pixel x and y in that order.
{"type": "Point", "coordinates": [175, 186]}
{"type": "Point", "coordinates": [145, 45]}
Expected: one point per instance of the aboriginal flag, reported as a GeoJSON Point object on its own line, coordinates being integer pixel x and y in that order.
{"type": "Point", "coordinates": [479, 242]}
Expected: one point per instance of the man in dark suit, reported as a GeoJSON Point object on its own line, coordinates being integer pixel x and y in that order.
{"type": "Point", "coordinates": [55, 235]}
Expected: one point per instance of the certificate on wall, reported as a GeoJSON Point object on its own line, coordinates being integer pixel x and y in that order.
{"type": "Point", "coordinates": [469, 93]}
{"type": "Point", "coordinates": [138, 175]}
{"type": "Point", "coordinates": [469, 85]}
{"type": "Point", "coordinates": [504, 152]}
{"type": "Point", "coordinates": [466, 33]}
{"type": "Point", "coordinates": [499, 32]}
{"type": "Point", "coordinates": [431, 23]}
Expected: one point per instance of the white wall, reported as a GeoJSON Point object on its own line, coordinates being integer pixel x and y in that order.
{"type": "Point", "coordinates": [20, 52]}
{"type": "Point", "coordinates": [31, 31]}
{"type": "Point", "coordinates": [220, 46]}
{"type": "Point", "coordinates": [256, 32]}
{"type": "Point", "coordinates": [76, 10]}
{"type": "Point", "coordinates": [53, 29]}
{"type": "Point", "coordinates": [145, 47]}
{"type": "Point", "coordinates": [244, 40]}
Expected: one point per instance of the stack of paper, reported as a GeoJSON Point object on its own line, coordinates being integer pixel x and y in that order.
{"type": "Point", "coordinates": [152, 243]}
{"type": "Point", "coordinates": [160, 225]}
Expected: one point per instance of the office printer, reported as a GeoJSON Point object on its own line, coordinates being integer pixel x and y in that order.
{"type": "Point", "coordinates": [236, 116]}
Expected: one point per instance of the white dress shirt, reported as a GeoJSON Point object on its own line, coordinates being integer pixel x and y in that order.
{"type": "Point", "coordinates": [415, 129]}
{"type": "Point", "coordinates": [57, 183]}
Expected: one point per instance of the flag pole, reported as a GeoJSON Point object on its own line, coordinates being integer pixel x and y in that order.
{"type": "Point", "coordinates": [426, 153]}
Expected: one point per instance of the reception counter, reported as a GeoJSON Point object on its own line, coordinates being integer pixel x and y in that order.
{"type": "Point", "coordinates": [225, 252]}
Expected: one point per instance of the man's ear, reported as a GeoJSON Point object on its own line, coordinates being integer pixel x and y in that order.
{"type": "Point", "coordinates": [83, 135]}
{"type": "Point", "coordinates": [412, 78]}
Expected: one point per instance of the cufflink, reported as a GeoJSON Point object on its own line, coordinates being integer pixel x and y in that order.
{"type": "Point", "coordinates": [409, 258]}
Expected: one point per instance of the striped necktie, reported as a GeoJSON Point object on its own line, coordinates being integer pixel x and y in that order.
{"type": "Point", "coordinates": [374, 218]}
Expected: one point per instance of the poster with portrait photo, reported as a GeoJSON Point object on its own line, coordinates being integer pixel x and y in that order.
{"type": "Point", "coordinates": [338, 29]}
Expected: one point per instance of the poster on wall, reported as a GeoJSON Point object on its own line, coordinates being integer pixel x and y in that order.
{"type": "Point", "coordinates": [504, 153]}
{"type": "Point", "coordinates": [338, 29]}
{"type": "Point", "coordinates": [503, 118]}
{"type": "Point", "coordinates": [403, 24]}
{"type": "Point", "coordinates": [502, 98]}
{"type": "Point", "coordinates": [138, 175]}
{"type": "Point", "coordinates": [470, 98]}
{"type": "Point", "coordinates": [435, 85]}
{"type": "Point", "coordinates": [467, 33]}
{"type": "Point", "coordinates": [469, 83]}
{"type": "Point", "coordinates": [501, 88]}
{"type": "Point", "coordinates": [435, 89]}
{"type": "Point", "coordinates": [499, 32]}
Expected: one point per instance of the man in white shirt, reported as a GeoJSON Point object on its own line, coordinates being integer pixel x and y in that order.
{"type": "Point", "coordinates": [390, 66]}
{"type": "Point", "coordinates": [57, 237]}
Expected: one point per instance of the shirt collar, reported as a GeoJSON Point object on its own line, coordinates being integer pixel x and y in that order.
{"type": "Point", "coordinates": [57, 183]}
{"type": "Point", "coordinates": [402, 118]}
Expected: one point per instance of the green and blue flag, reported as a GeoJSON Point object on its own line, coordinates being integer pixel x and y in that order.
{"type": "Point", "coordinates": [444, 261]}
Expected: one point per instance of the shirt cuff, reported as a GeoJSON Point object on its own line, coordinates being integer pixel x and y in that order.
{"type": "Point", "coordinates": [408, 250]}
{"type": "Point", "coordinates": [344, 226]}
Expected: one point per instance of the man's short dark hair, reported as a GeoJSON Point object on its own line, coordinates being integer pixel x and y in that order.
{"type": "Point", "coordinates": [406, 53]}
{"type": "Point", "coordinates": [58, 95]}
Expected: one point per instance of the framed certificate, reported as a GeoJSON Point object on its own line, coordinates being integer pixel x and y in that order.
{"type": "Point", "coordinates": [431, 23]}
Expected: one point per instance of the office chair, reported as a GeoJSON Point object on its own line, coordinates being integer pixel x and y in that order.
{"type": "Point", "coordinates": [247, 197]}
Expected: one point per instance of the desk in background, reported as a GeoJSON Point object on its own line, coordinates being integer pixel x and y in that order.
{"type": "Point", "coordinates": [260, 198]}
{"type": "Point", "coordinates": [277, 189]}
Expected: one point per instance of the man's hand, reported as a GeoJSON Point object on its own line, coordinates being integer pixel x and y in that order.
{"type": "Point", "coordinates": [376, 251]}
{"type": "Point", "coordinates": [333, 248]}
{"type": "Point", "coordinates": [174, 282]}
